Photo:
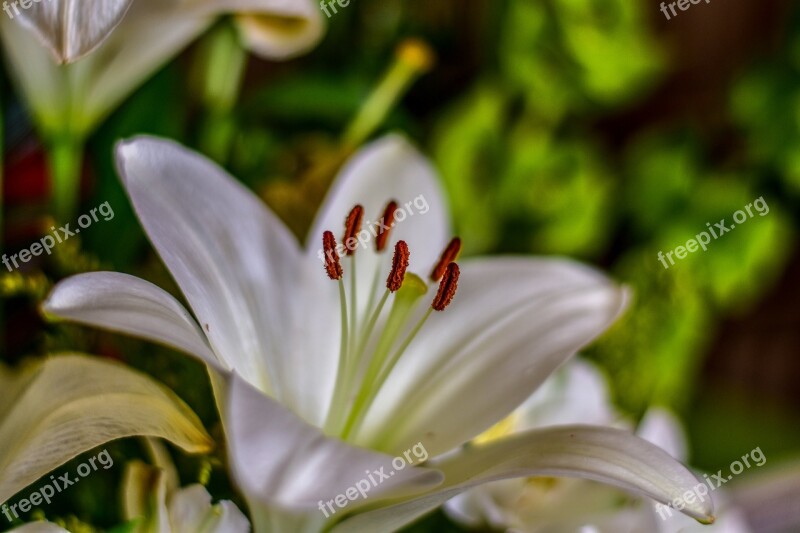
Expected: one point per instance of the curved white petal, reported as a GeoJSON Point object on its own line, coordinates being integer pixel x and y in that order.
{"type": "Point", "coordinates": [269, 313]}
{"type": "Point", "coordinates": [279, 38]}
{"type": "Point", "coordinates": [512, 323]}
{"type": "Point", "coordinates": [73, 28]}
{"type": "Point", "coordinates": [235, 262]}
{"type": "Point", "coordinates": [144, 492]}
{"type": "Point", "coordinates": [280, 460]}
{"type": "Point", "coordinates": [73, 403]}
{"type": "Point", "coordinates": [127, 304]}
{"type": "Point", "coordinates": [577, 393]}
{"type": "Point", "coordinates": [276, 29]}
{"type": "Point", "coordinates": [387, 169]}
{"type": "Point", "coordinates": [607, 455]}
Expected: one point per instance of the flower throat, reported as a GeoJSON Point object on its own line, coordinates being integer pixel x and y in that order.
{"type": "Point", "coordinates": [362, 373]}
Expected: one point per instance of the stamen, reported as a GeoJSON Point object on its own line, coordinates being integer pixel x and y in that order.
{"type": "Point", "coordinates": [449, 255]}
{"type": "Point", "coordinates": [399, 266]}
{"type": "Point", "coordinates": [352, 227]}
{"type": "Point", "coordinates": [387, 222]}
{"type": "Point", "coordinates": [447, 288]}
{"type": "Point", "coordinates": [332, 264]}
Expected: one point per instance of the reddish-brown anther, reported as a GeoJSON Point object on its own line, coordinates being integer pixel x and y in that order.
{"type": "Point", "coordinates": [352, 227]}
{"type": "Point", "coordinates": [447, 288]}
{"type": "Point", "coordinates": [399, 266]}
{"type": "Point", "coordinates": [449, 255]}
{"type": "Point", "coordinates": [332, 264]}
{"type": "Point", "coordinates": [385, 226]}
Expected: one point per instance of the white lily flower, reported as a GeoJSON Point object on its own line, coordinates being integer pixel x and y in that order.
{"type": "Point", "coordinates": [362, 373]}
{"type": "Point", "coordinates": [578, 393]}
{"type": "Point", "coordinates": [129, 40]}
{"type": "Point", "coordinates": [162, 507]}
{"type": "Point", "coordinates": [58, 408]}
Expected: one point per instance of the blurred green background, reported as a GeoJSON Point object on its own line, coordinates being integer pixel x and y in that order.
{"type": "Point", "coordinates": [596, 130]}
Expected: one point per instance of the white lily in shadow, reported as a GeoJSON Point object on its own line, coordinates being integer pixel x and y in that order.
{"type": "Point", "coordinates": [115, 45]}
{"type": "Point", "coordinates": [319, 380]}
{"type": "Point", "coordinates": [58, 408]}
{"type": "Point", "coordinates": [153, 498]}
{"type": "Point", "coordinates": [578, 393]}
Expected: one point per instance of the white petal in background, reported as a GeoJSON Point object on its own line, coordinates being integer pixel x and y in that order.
{"type": "Point", "coordinates": [164, 509]}
{"type": "Point", "coordinates": [73, 28]}
{"type": "Point", "coordinates": [151, 34]}
{"type": "Point", "coordinates": [72, 403]}
{"type": "Point", "coordinates": [664, 429]}
{"type": "Point", "coordinates": [607, 455]}
{"type": "Point", "coordinates": [576, 394]}
{"type": "Point", "coordinates": [277, 29]}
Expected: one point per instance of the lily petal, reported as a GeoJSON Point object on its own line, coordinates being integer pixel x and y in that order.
{"type": "Point", "coordinates": [83, 93]}
{"type": "Point", "coordinates": [274, 29]}
{"type": "Point", "coordinates": [235, 262]}
{"type": "Point", "coordinates": [665, 430]}
{"type": "Point", "coordinates": [387, 169]}
{"type": "Point", "coordinates": [127, 304]}
{"type": "Point", "coordinates": [280, 460]}
{"type": "Point", "coordinates": [150, 34]}
{"type": "Point", "coordinates": [265, 308]}
{"type": "Point", "coordinates": [144, 491]}
{"type": "Point", "coordinates": [511, 324]}
{"type": "Point", "coordinates": [601, 454]}
{"type": "Point", "coordinates": [74, 403]}
{"type": "Point", "coordinates": [73, 28]}
{"type": "Point", "coordinates": [576, 394]}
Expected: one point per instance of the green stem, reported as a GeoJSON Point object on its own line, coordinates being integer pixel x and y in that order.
{"type": "Point", "coordinates": [220, 66]}
{"type": "Point", "coordinates": [65, 159]}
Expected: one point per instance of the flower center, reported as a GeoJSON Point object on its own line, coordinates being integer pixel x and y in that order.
{"type": "Point", "coordinates": [367, 354]}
